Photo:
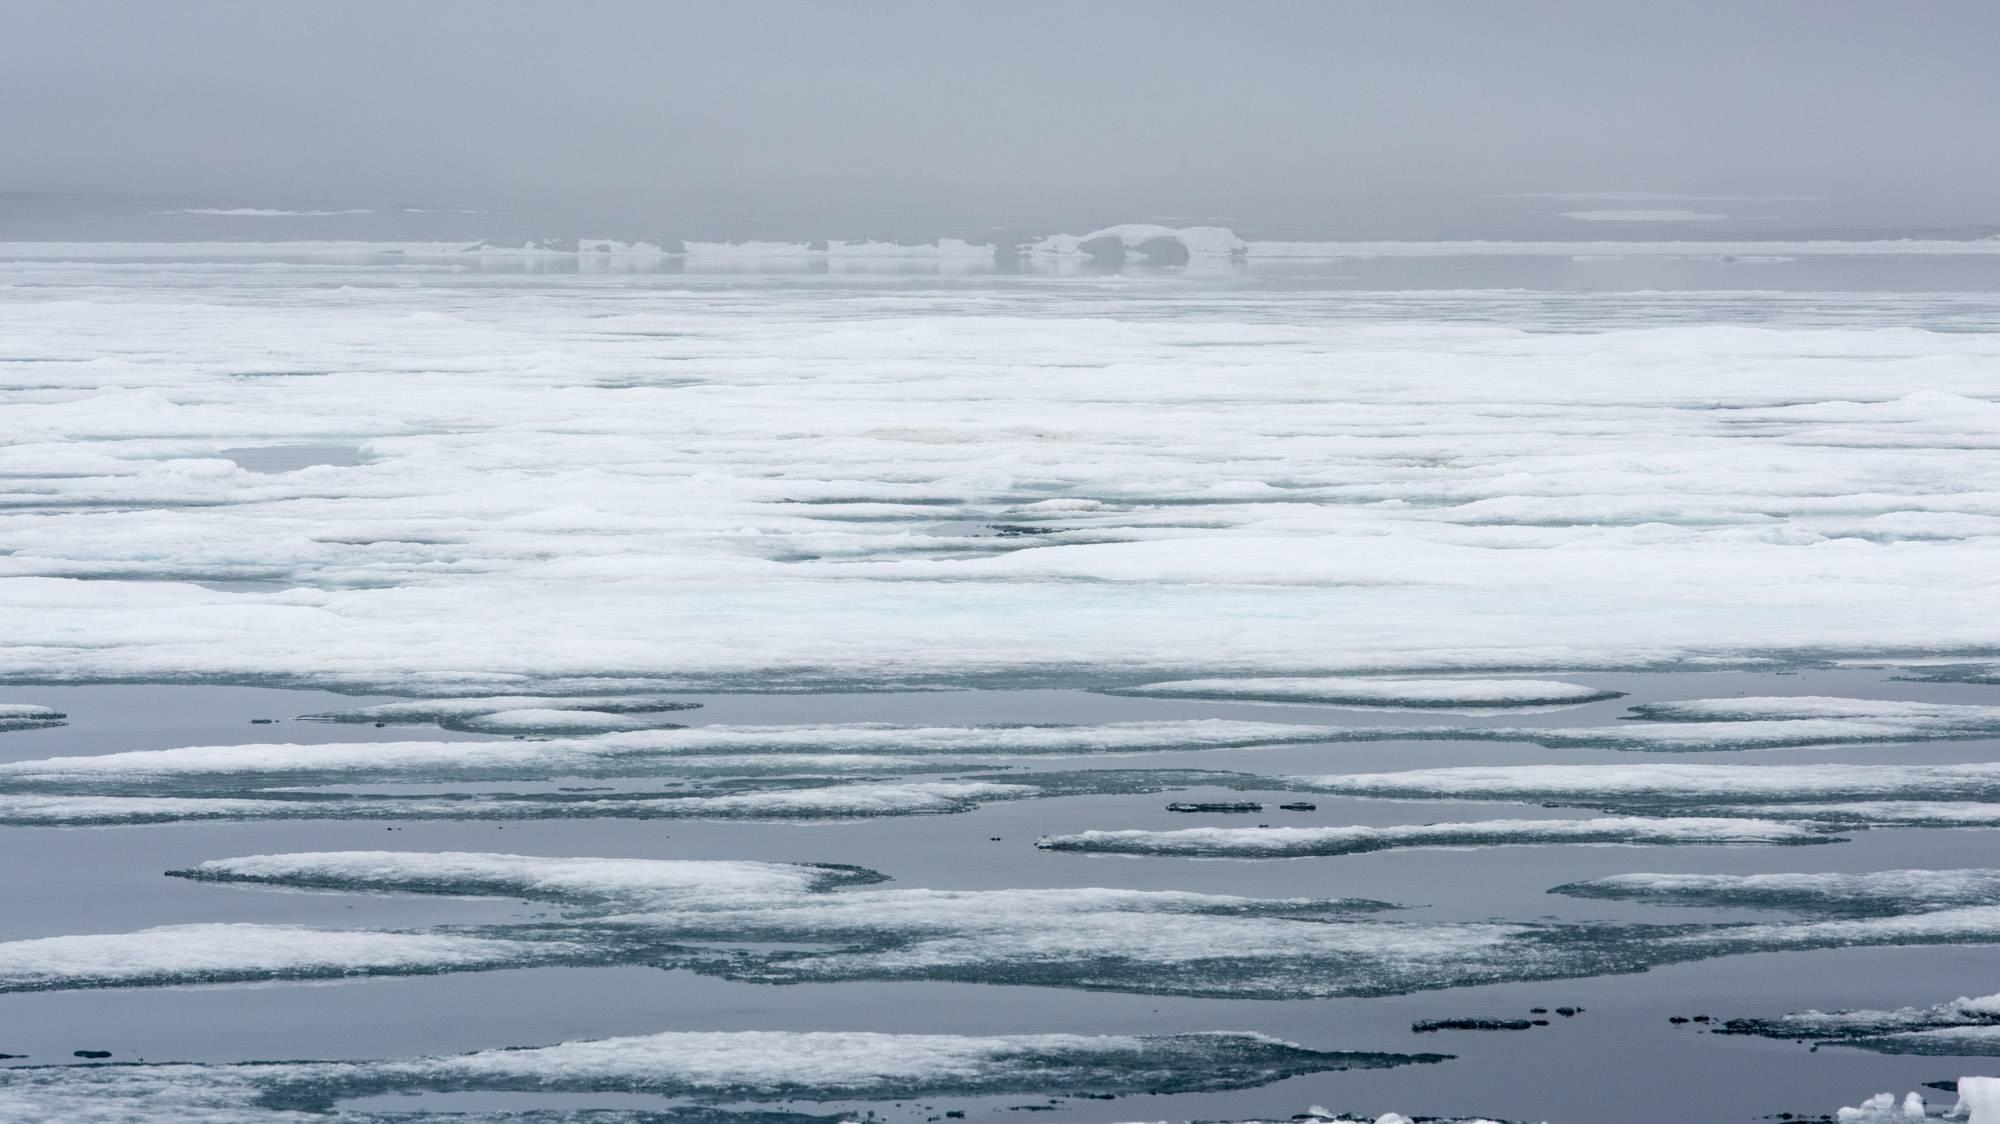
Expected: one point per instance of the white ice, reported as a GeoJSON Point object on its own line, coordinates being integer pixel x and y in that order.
{"type": "Point", "coordinates": [1369, 691]}
{"type": "Point", "coordinates": [1284, 842]}
{"type": "Point", "coordinates": [774, 489]}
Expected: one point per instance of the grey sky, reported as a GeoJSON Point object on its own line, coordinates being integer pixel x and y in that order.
{"type": "Point", "coordinates": [1311, 115]}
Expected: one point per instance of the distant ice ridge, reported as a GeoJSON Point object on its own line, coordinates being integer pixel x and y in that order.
{"type": "Point", "coordinates": [1294, 842]}
{"type": "Point", "coordinates": [757, 1066]}
{"type": "Point", "coordinates": [1151, 243]}
{"type": "Point", "coordinates": [1362, 691]}
{"type": "Point", "coordinates": [793, 923]}
{"type": "Point", "coordinates": [27, 716]}
{"type": "Point", "coordinates": [520, 713]}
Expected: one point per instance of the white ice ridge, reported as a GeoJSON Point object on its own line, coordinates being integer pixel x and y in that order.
{"type": "Point", "coordinates": [1293, 842]}
{"type": "Point", "coordinates": [1875, 892]}
{"type": "Point", "coordinates": [183, 954]}
{"type": "Point", "coordinates": [1368, 691]}
{"type": "Point", "coordinates": [629, 754]}
{"type": "Point", "coordinates": [1024, 485]}
{"type": "Point", "coordinates": [738, 1066]}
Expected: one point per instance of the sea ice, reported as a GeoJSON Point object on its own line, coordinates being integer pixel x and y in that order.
{"type": "Point", "coordinates": [1294, 842]}
{"type": "Point", "coordinates": [27, 716]}
{"type": "Point", "coordinates": [1879, 893]}
{"type": "Point", "coordinates": [739, 1066]}
{"type": "Point", "coordinates": [1360, 691]}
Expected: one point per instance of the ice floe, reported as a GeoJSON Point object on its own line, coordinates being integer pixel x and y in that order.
{"type": "Point", "coordinates": [817, 924]}
{"type": "Point", "coordinates": [230, 953]}
{"type": "Point", "coordinates": [1360, 691]}
{"type": "Point", "coordinates": [27, 716]}
{"type": "Point", "coordinates": [1875, 893]}
{"type": "Point", "coordinates": [706, 1067]}
{"type": "Point", "coordinates": [1293, 842]}
{"type": "Point", "coordinates": [797, 494]}
{"type": "Point", "coordinates": [1671, 785]}
{"type": "Point", "coordinates": [636, 753]}
{"type": "Point", "coordinates": [823, 801]}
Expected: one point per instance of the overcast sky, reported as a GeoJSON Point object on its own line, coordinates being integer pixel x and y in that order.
{"type": "Point", "coordinates": [1270, 114]}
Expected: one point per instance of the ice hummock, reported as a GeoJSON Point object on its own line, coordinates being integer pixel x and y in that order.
{"type": "Point", "coordinates": [1295, 842]}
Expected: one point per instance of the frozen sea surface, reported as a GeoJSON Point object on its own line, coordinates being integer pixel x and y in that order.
{"type": "Point", "coordinates": [643, 692]}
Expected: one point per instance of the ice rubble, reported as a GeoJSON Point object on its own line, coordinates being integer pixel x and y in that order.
{"type": "Point", "coordinates": [800, 494]}
{"type": "Point", "coordinates": [737, 1066]}
{"type": "Point", "coordinates": [1877, 893]}
{"type": "Point", "coordinates": [1359, 691]}
{"type": "Point", "coordinates": [796, 924]}
{"type": "Point", "coordinates": [1293, 842]}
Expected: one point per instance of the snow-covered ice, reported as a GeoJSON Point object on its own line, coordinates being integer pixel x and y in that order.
{"type": "Point", "coordinates": [1383, 692]}
{"type": "Point", "coordinates": [741, 1066]}
{"type": "Point", "coordinates": [1293, 842]}
{"type": "Point", "coordinates": [714, 490]}
{"type": "Point", "coordinates": [1873, 893]}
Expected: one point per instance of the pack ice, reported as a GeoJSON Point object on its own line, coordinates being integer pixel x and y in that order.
{"type": "Point", "coordinates": [1099, 485]}
{"type": "Point", "coordinates": [744, 1066]}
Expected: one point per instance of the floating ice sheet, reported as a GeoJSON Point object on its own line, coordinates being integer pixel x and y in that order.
{"type": "Point", "coordinates": [1029, 484]}
{"type": "Point", "coordinates": [1294, 842]}
{"type": "Point", "coordinates": [1383, 692]}
{"type": "Point", "coordinates": [740, 1066]}
{"type": "Point", "coordinates": [27, 716]}
{"type": "Point", "coordinates": [825, 801]}
{"type": "Point", "coordinates": [637, 753]}
{"type": "Point", "coordinates": [1878, 893]}
{"type": "Point", "coordinates": [814, 924]}
{"type": "Point", "coordinates": [1672, 785]}
{"type": "Point", "coordinates": [190, 954]}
